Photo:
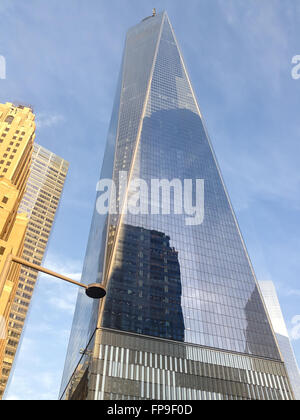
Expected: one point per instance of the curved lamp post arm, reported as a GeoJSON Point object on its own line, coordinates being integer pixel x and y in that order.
{"type": "Point", "coordinates": [94, 290]}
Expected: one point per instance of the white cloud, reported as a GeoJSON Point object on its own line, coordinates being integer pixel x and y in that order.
{"type": "Point", "coordinates": [26, 386]}
{"type": "Point", "coordinates": [295, 331]}
{"type": "Point", "coordinates": [65, 266]}
{"type": "Point", "coordinates": [293, 292]}
{"type": "Point", "coordinates": [60, 294]}
{"type": "Point", "coordinates": [63, 304]}
{"type": "Point", "coordinates": [48, 120]}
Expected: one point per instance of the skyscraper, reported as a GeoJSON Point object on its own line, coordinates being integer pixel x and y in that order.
{"type": "Point", "coordinates": [40, 203]}
{"type": "Point", "coordinates": [183, 317]}
{"type": "Point", "coordinates": [273, 306]}
{"type": "Point", "coordinates": [17, 133]}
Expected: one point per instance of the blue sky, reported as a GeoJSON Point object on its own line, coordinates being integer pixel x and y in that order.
{"type": "Point", "coordinates": [63, 59]}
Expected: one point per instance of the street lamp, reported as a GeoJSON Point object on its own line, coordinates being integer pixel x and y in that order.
{"type": "Point", "coordinates": [94, 290]}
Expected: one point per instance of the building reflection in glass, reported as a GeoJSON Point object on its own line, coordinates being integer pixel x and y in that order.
{"type": "Point", "coordinates": [144, 294]}
{"type": "Point", "coordinates": [254, 344]}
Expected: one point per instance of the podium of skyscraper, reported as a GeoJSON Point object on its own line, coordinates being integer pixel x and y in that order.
{"type": "Point", "coordinates": [183, 317]}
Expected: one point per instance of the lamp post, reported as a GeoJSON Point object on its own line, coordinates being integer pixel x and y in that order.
{"type": "Point", "coordinates": [93, 290]}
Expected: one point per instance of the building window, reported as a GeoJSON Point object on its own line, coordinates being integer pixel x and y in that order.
{"type": "Point", "coordinates": [2, 250]}
{"type": "Point", "coordinates": [9, 119]}
{"type": "Point", "coordinates": [5, 200]}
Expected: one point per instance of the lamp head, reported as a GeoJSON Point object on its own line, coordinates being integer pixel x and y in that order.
{"type": "Point", "coordinates": [95, 291]}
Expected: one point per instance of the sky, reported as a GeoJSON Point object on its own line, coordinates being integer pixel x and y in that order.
{"type": "Point", "coordinates": [63, 58]}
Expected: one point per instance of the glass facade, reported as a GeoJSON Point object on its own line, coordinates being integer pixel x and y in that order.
{"type": "Point", "coordinates": [166, 279]}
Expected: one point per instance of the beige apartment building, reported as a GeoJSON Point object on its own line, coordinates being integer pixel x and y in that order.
{"type": "Point", "coordinates": [40, 203]}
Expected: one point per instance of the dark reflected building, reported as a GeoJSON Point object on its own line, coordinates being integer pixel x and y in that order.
{"type": "Point", "coordinates": [183, 317]}
{"type": "Point", "coordinates": [144, 296]}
